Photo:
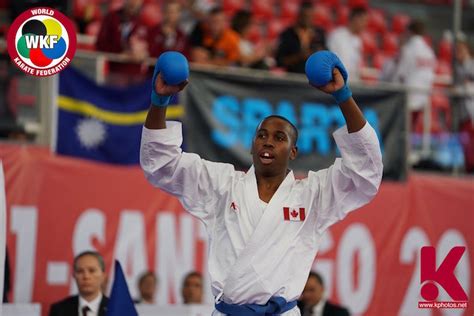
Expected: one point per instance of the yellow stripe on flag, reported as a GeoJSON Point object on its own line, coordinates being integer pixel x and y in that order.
{"type": "Point", "coordinates": [116, 118]}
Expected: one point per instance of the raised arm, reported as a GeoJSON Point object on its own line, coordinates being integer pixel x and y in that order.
{"type": "Point", "coordinates": [353, 180]}
{"type": "Point", "coordinates": [195, 181]}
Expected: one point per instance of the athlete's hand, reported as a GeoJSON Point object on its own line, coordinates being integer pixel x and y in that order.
{"type": "Point", "coordinates": [335, 84]}
{"type": "Point", "coordinates": [164, 89]}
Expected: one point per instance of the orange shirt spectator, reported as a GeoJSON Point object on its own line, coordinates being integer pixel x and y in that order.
{"type": "Point", "coordinates": [213, 42]}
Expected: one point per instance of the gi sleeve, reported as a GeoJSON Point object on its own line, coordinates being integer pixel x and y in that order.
{"type": "Point", "coordinates": [197, 183]}
{"type": "Point", "coordinates": [352, 181]}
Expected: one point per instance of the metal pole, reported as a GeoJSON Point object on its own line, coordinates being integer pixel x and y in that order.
{"type": "Point", "coordinates": [457, 17]}
{"type": "Point", "coordinates": [426, 140]}
{"type": "Point", "coordinates": [48, 91]}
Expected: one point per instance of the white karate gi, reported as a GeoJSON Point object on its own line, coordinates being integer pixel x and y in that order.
{"type": "Point", "coordinates": [254, 253]}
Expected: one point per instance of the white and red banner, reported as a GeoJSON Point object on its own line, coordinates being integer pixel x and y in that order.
{"type": "Point", "coordinates": [57, 207]}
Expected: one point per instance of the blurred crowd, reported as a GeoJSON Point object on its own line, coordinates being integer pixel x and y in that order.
{"type": "Point", "coordinates": [375, 46]}
{"type": "Point", "coordinates": [210, 34]}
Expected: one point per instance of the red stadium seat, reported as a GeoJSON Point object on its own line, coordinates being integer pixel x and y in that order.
{"type": "Point", "coordinates": [400, 23]}
{"type": "Point", "coordinates": [262, 9]}
{"type": "Point", "coordinates": [255, 33]}
{"type": "Point", "coordinates": [115, 4]}
{"type": "Point", "coordinates": [443, 68]}
{"type": "Point", "coordinates": [329, 3]}
{"type": "Point", "coordinates": [445, 50]}
{"type": "Point", "coordinates": [444, 73]}
{"type": "Point", "coordinates": [390, 44]}
{"type": "Point", "coordinates": [289, 9]}
{"type": "Point", "coordinates": [275, 27]}
{"type": "Point", "coordinates": [369, 43]}
{"type": "Point", "coordinates": [376, 21]}
{"type": "Point", "coordinates": [379, 60]}
{"type": "Point", "coordinates": [342, 15]}
{"type": "Point", "coordinates": [357, 3]}
{"type": "Point", "coordinates": [232, 6]}
{"type": "Point", "coordinates": [440, 114]}
{"type": "Point", "coordinates": [322, 16]}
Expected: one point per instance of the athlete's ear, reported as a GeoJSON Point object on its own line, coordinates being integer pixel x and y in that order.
{"type": "Point", "coordinates": [253, 143]}
{"type": "Point", "coordinates": [293, 152]}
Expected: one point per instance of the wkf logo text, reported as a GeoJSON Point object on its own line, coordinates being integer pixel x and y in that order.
{"type": "Point", "coordinates": [432, 278]}
{"type": "Point", "coordinates": [41, 41]}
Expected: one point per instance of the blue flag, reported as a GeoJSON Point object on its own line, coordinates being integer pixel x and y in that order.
{"type": "Point", "coordinates": [100, 122]}
{"type": "Point", "coordinates": [120, 302]}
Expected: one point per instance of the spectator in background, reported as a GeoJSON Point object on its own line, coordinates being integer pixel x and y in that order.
{"type": "Point", "coordinates": [464, 82]}
{"type": "Point", "coordinates": [167, 35]}
{"type": "Point", "coordinates": [193, 12]}
{"type": "Point", "coordinates": [250, 55]}
{"type": "Point", "coordinates": [313, 302]}
{"type": "Point", "coordinates": [86, 15]}
{"type": "Point", "coordinates": [89, 273]}
{"type": "Point", "coordinates": [213, 43]}
{"type": "Point", "coordinates": [192, 290]}
{"type": "Point", "coordinates": [147, 284]}
{"type": "Point", "coordinates": [345, 41]}
{"type": "Point", "coordinates": [464, 78]}
{"type": "Point", "coordinates": [299, 41]}
{"type": "Point", "coordinates": [416, 69]}
{"type": "Point", "coordinates": [122, 31]}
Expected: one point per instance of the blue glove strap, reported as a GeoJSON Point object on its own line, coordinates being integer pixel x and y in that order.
{"type": "Point", "coordinates": [159, 100]}
{"type": "Point", "coordinates": [156, 99]}
{"type": "Point", "coordinates": [342, 94]}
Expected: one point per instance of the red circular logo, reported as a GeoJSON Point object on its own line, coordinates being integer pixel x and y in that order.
{"type": "Point", "coordinates": [41, 41]}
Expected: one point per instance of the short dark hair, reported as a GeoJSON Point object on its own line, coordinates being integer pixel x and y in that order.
{"type": "Point", "coordinates": [293, 127]}
{"type": "Point", "coordinates": [417, 27]}
{"type": "Point", "coordinates": [305, 5]}
{"type": "Point", "coordinates": [192, 274]}
{"type": "Point", "coordinates": [92, 253]}
{"type": "Point", "coordinates": [216, 10]}
{"type": "Point", "coordinates": [317, 276]}
{"type": "Point", "coordinates": [241, 20]}
{"type": "Point", "coordinates": [357, 12]}
{"type": "Point", "coordinates": [145, 275]}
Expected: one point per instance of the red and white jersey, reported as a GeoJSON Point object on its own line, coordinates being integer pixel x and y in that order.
{"type": "Point", "coordinates": [259, 250]}
{"type": "Point", "coordinates": [416, 69]}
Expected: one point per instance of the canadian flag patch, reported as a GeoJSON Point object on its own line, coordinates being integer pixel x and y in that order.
{"type": "Point", "coordinates": [294, 214]}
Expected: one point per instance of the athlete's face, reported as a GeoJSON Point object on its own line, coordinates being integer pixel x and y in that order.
{"type": "Point", "coordinates": [312, 293]}
{"type": "Point", "coordinates": [273, 147]}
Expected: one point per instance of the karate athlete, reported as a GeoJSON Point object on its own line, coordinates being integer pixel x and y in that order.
{"type": "Point", "coordinates": [264, 225]}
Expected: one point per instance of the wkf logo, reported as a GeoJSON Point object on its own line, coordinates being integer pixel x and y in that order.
{"type": "Point", "coordinates": [432, 277]}
{"type": "Point", "coordinates": [41, 41]}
